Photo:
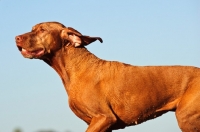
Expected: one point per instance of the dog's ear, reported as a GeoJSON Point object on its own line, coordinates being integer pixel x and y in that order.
{"type": "Point", "coordinates": [85, 40]}
{"type": "Point", "coordinates": [76, 38]}
{"type": "Point", "coordinates": [70, 35]}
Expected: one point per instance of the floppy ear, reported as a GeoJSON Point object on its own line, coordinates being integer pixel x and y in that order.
{"type": "Point", "coordinates": [76, 38]}
{"type": "Point", "coordinates": [86, 39]}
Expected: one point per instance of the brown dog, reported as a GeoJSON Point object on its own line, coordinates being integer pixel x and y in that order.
{"type": "Point", "coordinates": [110, 95]}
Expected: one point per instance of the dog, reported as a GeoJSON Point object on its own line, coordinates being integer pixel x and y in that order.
{"type": "Point", "coordinates": [110, 95]}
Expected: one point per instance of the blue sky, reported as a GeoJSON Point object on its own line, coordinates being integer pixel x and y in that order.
{"type": "Point", "coordinates": [145, 32]}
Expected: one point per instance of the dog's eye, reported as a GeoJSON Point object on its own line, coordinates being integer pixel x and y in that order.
{"type": "Point", "coordinates": [42, 30]}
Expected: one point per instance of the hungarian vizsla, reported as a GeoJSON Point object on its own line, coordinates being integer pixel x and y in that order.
{"type": "Point", "coordinates": [111, 95]}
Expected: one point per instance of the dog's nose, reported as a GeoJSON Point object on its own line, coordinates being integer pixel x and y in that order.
{"type": "Point", "coordinates": [18, 38]}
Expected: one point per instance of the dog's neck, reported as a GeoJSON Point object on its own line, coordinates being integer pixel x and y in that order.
{"type": "Point", "coordinates": [70, 62]}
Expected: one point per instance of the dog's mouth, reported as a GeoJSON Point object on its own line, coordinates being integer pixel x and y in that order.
{"type": "Point", "coordinates": [31, 54]}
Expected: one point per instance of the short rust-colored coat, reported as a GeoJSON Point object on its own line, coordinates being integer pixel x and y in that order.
{"type": "Point", "coordinates": [110, 95]}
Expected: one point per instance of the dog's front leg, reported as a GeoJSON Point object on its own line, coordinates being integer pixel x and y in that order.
{"type": "Point", "coordinates": [101, 123]}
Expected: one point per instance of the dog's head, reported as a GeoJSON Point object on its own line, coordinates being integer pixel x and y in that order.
{"type": "Point", "coordinates": [49, 37]}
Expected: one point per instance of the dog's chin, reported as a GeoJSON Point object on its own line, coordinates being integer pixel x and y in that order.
{"type": "Point", "coordinates": [36, 54]}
